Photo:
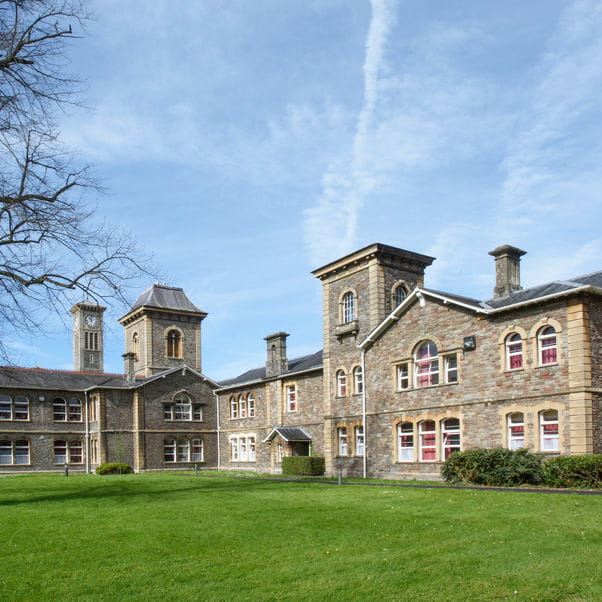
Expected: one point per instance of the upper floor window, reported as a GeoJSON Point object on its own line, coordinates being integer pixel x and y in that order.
{"type": "Point", "coordinates": [91, 341]}
{"type": "Point", "coordinates": [348, 307]}
{"type": "Point", "coordinates": [182, 409]}
{"type": "Point", "coordinates": [250, 405]}
{"type": "Point", "coordinates": [548, 431]}
{"type": "Point", "coordinates": [547, 347]}
{"type": "Point", "coordinates": [400, 294]}
{"type": "Point", "coordinates": [403, 377]}
{"type": "Point", "coordinates": [358, 380]}
{"type": "Point", "coordinates": [174, 343]}
{"type": "Point", "coordinates": [242, 406]}
{"type": "Point", "coordinates": [426, 365]}
{"type": "Point", "coordinates": [14, 452]}
{"type": "Point", "coordinates": [233, 407]}
{"type": "Point", "coordinates": [341, 383]}
{"type": "Point", "coordinates": [516, 430]}
{"type": "Point", "coordinates": [514, 351]}
{"type": "Point", "coordinates": [66, 412]}
{"type": "Point", "coordinates": [14, 410]}
{"type": "Point", "coordinates": [291, 398]}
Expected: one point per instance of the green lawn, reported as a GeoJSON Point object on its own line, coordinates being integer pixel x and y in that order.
{"type": "Point", "coordinates": [170, 536]}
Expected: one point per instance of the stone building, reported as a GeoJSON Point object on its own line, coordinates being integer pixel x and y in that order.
{"type": "Point", "coordinates": [407, 376]}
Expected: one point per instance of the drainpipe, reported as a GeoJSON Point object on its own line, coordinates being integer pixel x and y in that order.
{"type": "Point", "coordinates": [365, 459]}
{"type": "Point", "coordinates": [219, 454]}
{"type": "Point", "coordinates": [88, 466]}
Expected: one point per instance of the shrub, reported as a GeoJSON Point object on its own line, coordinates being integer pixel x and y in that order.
{"type": "Point", "coordinates": [114, 468]}
{"type": "Point", "coordinates": [574, 471]}
{"type": "Point", "coordinates": [303, 465]}
{"type": "Point", "coordinates": [499, 467]}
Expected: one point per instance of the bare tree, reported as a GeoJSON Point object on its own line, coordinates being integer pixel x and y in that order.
{"type": "Point", "coordinates": [52, 248]}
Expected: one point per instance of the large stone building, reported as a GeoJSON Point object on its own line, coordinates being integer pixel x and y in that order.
{"type": "Point", "coordinates": [407, 375]}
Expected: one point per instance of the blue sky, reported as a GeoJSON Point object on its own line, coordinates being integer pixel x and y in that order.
{"type": "Point", "coordinates": [246, 143]}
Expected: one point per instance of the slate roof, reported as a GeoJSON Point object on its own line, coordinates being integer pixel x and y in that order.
{"type": "Point", "coordinates": [289, 433]}
{"type": "Point", "coordinates": [543, 290]}
{"type": "Point", "coordinates": [40, 378]}
{"type": "Point", "coordinates": [299, 364]}
{"type": "Point", "coordinates": [166, 297]}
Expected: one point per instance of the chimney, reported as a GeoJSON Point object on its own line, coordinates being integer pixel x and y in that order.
{"type": "Point", "coordinates": [507, 270]}
{"type": "Point", "coordinates": [128, 360]}
{"type": "Point", "coordinates": [277, 362]}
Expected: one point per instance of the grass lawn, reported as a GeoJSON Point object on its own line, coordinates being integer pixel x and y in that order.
{"type": "Point", "coordinates": [170, 536]}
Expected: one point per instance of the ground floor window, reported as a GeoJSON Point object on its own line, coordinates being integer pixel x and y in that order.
{"type": "Point", "coordinates": [342, 438]}
{"type": "Point", "coordinates": [405, 442]}
{"type": "Point", "coordinates": [68, 452]}
{"type": "Point", "coordinates": [450, 437]}
{"type": "Point", "coordinates": [549, 440]}
{"type": "Point", "coordinates": [427, 439]}
{"type": "Point", "coordinates": [14, 452]}
{"type": "Point", "coordinates": [418, 441]}
{"type": "Point", "coordinates": [516, 430]}
{"type": "Point", "coordinates": [359, 441]}
{"type": "Point", "coordinates": [242, 448]}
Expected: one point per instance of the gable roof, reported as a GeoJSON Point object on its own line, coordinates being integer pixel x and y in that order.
{"type": "Point", "coordinates": [288, 433]}
{"type": "Point", "coordinates": [297, 365]}
{"type": "Point", "coordinates": [590, 283]}
{"type": "Point", "coordinates": [14, 377]}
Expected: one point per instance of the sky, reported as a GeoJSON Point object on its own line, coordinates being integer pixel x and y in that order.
{"type": "Point", "coordinates": [244, 144]}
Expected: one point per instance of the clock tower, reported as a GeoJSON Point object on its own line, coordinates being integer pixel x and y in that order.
{"type": "Point", "coordinates": [87, 337]}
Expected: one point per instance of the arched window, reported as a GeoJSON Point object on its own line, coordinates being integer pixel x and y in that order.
{"type": "Point", "coordinates": [426, 365]}
{"type": "Point", "coordinates": [60, 451]}
{"type": "Point", "coordinates": [400, 294]}
{"type": "Point", "coordinates": [516, 430]}
{"type": "Point", "coordinates": [242, 406]}
{"type": "Point", "coordinates": [233, 407]}
{"type": "Point", "coordinates": [348, 307]}
{"type": "Point", "coordinates": [514, 351]}
{"type": "Point", "coordinates": [75, 410]}
{"type": "Point", "coordinates": [182, 407]}
{"type": "Point", "coordinates": [250, 405]}
{"type": "Point", "coordinates": [6, 407]}
{"type": "Point", "coordinates": [548, 431]}
{"type": "Point", "coordinates": [358, 380]}
{"type": "Point", "coordinates": [136, 345]}
{"type": "Point", "coordinates": [174, 343]}
{"type": "Point", "coordinates": [341, 383]}
{"type": "Point", "coordinates": [427, 440]}
{"type": "Point", "coordinates": [450, 437]}
{"type": "Point", "coordinates": [405, 442]}
{"type": "Point", "coordinates": [547, 347]}
{"type": "Point", "coordinates": [59, 410]}
{"type": "Point", "coordinates": [17, 410]}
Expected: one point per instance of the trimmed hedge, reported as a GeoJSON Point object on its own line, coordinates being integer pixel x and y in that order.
{"type": "Point", "coordinates": [114, 468]}
{"type": "Point", "coordinates": [498, 467]}
{"type": "Point", "coordinates": [574, 471]}
{"type": "Point", "coordinates": [303, 465]}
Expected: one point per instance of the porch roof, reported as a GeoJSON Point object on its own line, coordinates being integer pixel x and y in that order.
{"type": "Point", "coordinates": [288, 433]}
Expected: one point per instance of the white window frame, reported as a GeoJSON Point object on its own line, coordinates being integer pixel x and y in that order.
{"type": "Point", "coordinates": [544, 344]}
{"type": "Point", "coordinates": [15, 456]}
{"type": "Point", "coordinates": [406, 453]}
{"type": "Point", "coordinates": [358, 380]}
{"type": "Point", "coordinates": [403, 376]}
{"type": "Point", "coordinates": [451, 437]}
{"type": "Point", "coordinates": [514, 348]}
{"type": "Point", "coordinates": [360, 448]}
{"type": "Point", "coordinates": [549, 442]}
{"type": "Point", "coordinates": [422, 437]}
{"type": "Point", "coordinates": [233, 408]}
{"type": "Point", "coordinates": [243, 447]}
{"type": "Point", "coordinates": [69, 454]}
{"type": "Point", "coordinates": [516, 430]}
{"type": "Point", "coordinates": [341, 378]}
{"type": "Point", "coordinates": [291, 398]}
{"type": "Point", "coordinates": [13, 407]}
{"type": "Point", "coordinates": [242, 406]}
{"type": "Point", "coordinates": [450, 366]}
{"type": "Point", "coordinates": [426, 367]}
{"type": "Point", "coordinates": [348, 307]}
{"type": "Point", "coordinates": [198, 450]}
{"type": "Point", "coordinates": [343, 442]}
{"type": "Point", "coordinates": [251, 405]}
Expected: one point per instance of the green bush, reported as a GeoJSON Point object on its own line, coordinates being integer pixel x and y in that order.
{"type": "Point", "coordinates": [499, 467]}
{"type": "Point", "coordinates": [574, 471]}
{"type": "Point", "coordinates": [114, 468]}
{"type": "Point", "coordinates": [303, 465]}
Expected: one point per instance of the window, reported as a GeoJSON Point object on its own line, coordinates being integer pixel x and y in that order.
{"type": "Point", "coordinates": [68, 452]}
{"type": "Point", "coordinates": [169, 450]}
{"type": "Point", "coordinates": [548, 431]}
{"type": "Point", "coordinates": [405, 442]}
{"type": "Point", "coordinates": [428, 441]}
{"type": "Point", "coordinates": [178, 450]}
{"type": "Point", "coordinates": [233, 407]}
{"type": "Point", "coordinates": [450, 437]}
{"type": "Point", "coordinates": [403, 377]}
{"type": "Point", "coordinates": [451, 368]}
{"type": "Point", "coordinates": [75, 410]}
{"type": "Point", "coordinates": [183, 450]}
{"type": "Point", "coordinates": [14, 452]}
{"type": "Point", "coordinates": [291, 398]}
{"type": "Point", "coordinates": [17, 410]}
{"type": "Point", "coordinates": [341, 383]}
{"type": "Point", "coordinates": [516, 430]}
{"type": "Point", "coordinates": [182, 409]}
{"type": "Point", "coordinates": [136, 345]}
{"type": "Point", "coordinates": [358, 380]}
{"type": "Point", "coordinates": [67, 412]}
{"type": "Point", "coordinates": [348, 307]}
{"type": "Point", "coordinates": [342, 437]}
{"type": "Point", "coordinates": [359, 441]}
{"type": "Point", "coordinates": [514, 351]}
{"type": "Point", "coordinates": [251, 405]}
{"type": "Point", "coordinates": [547, 347]}
{"type": "Point", "coordinates": [59, 410]}
{"type": "Point", "coordinates": [242, 406]}
{"type": "Point", "coordinates": [242, 448]}
{"type": "Point", "coordinates": [400, 294]}
{"type": "Point", "coordinates": [197, 450]}
{"type": "Point", "coordinates": [426, 365]}
{"type": "Point", "coordinates": [174, 343]}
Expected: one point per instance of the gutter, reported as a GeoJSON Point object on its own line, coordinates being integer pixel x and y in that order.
{"type": "Point", "coordinates": [219, 452]}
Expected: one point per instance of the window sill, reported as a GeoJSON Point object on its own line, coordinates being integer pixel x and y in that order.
{"type": "Point", "coordinates": [547, 365]}
{"type": "Point", "coordinates": [427, 387]}
{"type": "Point", "coordinates": [346, 329]}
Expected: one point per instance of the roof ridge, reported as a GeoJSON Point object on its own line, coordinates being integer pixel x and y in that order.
{"type": "Point", "coordinates": [62, 371]}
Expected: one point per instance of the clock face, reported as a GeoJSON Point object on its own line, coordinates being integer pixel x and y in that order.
{"type": "Point", "coordinates": [91, 320]}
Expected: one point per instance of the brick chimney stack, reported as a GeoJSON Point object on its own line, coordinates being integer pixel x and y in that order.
{"type": "Point", "coordinates": [507, 270]}
{"type": "Point", "coordinates": [277, 362]}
